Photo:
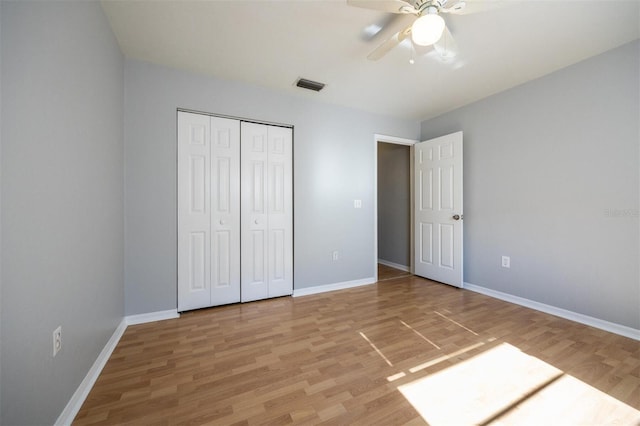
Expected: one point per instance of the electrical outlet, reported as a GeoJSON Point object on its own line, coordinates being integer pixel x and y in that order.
{"type": "Point", "coordinates": [506, 262]}
{"type": "Point", "coordinates": [57, 340]}
{"type": "Point", "coordinates": [357, 204]}
{"type": "Point", "coordinates": [334, 255]}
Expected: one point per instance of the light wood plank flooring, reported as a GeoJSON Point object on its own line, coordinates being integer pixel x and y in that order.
{"type": "Point", "coordinates": [403, 351]}
{"type": "Point", "coordinates": [387, 272]}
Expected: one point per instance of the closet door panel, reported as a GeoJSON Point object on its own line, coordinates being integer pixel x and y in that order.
{"type": "Point", "coordinates": [225, 211]}
{"type": "Point", "coordinates": [254, 219]}
{"type": "Point", "coordinates": [280, 208]}
{"type": "Point", "coordinates": [194, 211]}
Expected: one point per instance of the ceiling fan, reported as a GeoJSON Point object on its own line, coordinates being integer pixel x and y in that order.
{"type": "Point", "coordinates": [427, 29]}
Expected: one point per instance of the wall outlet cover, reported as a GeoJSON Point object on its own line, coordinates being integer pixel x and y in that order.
{"type": "Point", "coordinates": [57, 340]}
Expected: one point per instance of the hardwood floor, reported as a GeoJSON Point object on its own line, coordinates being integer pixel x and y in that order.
{"type": "Point", "coordinates": [402, 351]}
{"type": "Point", "coordinates": [387, 273]}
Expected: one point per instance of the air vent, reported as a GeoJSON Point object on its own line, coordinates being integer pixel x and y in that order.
{"type": "Point", "coordinates": [309, 84]}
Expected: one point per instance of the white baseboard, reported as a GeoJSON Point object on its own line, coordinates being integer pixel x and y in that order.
{"type": "Point", "coordinates": [332, 287]}
{"type": "Point", "coordinates": [152, 316]}
{"type": "Point", "coordinates": [611, 327]}
{"type": "Point", "coordinates": [394, 265]}
{"type": "Point", "coordinates": [78, 397]}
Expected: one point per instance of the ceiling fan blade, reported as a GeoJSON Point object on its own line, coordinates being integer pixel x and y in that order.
{"type": "Point", "coordinates": [390, 6]}
{"type": "Point", "coordinates": [392, 42]}
{"type": "Point", "coordinates": [385, 26]}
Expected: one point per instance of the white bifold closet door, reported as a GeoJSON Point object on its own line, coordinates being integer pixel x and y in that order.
{"type": "Point", "coordinates": [267, 211]}
{"type": "Point", "coordinates": [208, 211]}
{"type": "Point", "coordinates": [235, 211]}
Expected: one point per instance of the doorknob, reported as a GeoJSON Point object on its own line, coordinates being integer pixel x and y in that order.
{"type": "Point", "coordinates": [457, 217]}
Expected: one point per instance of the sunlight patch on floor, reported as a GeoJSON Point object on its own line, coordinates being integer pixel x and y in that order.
{"type": "Point", "coordinates": [375, 348]}
{"type": "Point", "coordinates": [506, 386]}
{"type": "Point", "coordinates": [419, 334]}
{"type": "Point", "coordinates": [440, 359]}
{"type": "Point", "coordinates": [575, 403]}
{"type": "Point", "coordinates": [455, 322]}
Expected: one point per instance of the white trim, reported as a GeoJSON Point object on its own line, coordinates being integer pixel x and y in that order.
{"type": "Point", "coordinates": [394, 265]}
{"type": "Point", "coordinates": [332, 287]}
{"type": "Point", "coordinates": [394, 139]}
{"type": "Point", "coordinates": [152, 316]}
{"type": "Point", "coordinates": [78, 397]}
{"type": "Point", "coordinates": [611, 327]}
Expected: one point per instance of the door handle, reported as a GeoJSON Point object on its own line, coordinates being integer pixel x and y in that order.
{"type": "Point", "coordinates": [457, 217]}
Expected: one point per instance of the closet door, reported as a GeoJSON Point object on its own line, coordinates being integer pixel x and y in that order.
{"type": "Point", "coordinates": [208, 211]}
{"type": "Point", "coordinates": [225, 211]}
{"type": "Point", "coordinates": [280, 211]}
{"type": "Point", "coordinates": [194, 211]}
{"type": "Point", "coordinates": [266, 204]}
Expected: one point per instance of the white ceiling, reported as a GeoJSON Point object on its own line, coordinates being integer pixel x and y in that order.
{"type": "Point", "coordinates": [273, 43]}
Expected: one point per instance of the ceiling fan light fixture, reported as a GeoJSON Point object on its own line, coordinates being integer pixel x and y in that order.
{"type": "Point", "coordinates": [427, 29]}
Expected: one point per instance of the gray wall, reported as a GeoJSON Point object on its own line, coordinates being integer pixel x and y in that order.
{"type": "Point", "coordinates": [551, 179]}
{"type": "Point", "coordinates": [394, 198]}
{"type": "Point", "coordinates": [62, 201]}
{"type": "Point", "coordinates": [1, 210]}
{"type": "Point", "coordinates": [333, 165]}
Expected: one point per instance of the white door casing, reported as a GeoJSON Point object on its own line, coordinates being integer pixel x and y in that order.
{"type": "Point", "coordinates": [266, 217]}
{"type": "Point", "coordinates": [208, 211]}
{"type": "Point", "coordinates": [439, 209]}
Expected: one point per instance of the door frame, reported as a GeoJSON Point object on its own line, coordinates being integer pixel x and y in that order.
{"type": "Point", "coordinates": [398, 141]}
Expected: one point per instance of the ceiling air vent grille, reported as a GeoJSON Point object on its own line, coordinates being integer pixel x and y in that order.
{"type": "Point", "coordinates": [309, 84]}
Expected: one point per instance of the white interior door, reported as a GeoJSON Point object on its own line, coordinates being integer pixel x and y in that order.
{"type": "Point", "coordinates": [267, 219]}
{"type": "Point", "coordinates": [208, 211]}
{"type": "Point", "coordinates": [438, 209]}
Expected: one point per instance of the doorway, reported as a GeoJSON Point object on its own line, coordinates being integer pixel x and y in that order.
{"type": "Point", "coordinates": [393, 253]}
